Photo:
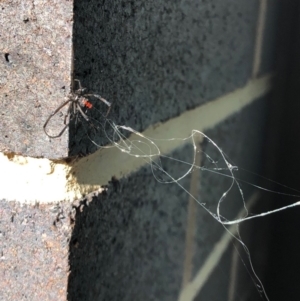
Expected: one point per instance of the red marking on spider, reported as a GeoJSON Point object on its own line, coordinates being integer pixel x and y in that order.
{"type": "Point", "coordinates": [76, 100]}
{"type": "Point", "coordinates": [86, 103]}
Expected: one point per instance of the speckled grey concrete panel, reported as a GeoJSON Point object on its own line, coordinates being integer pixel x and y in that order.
{"type": "Point", "coordinates": [35, 73]}
{"type": "Point", "coordinates": [241, 138]}
{"type": "Point", "coordinates": [155, 59]}
{"type": "Point", "coordinates": [129, 245]}
{"type": "Point", "coordinates": [34, 243]}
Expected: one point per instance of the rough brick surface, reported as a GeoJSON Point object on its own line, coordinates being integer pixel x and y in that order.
{"type": "Point", "coordinates": [35, 68]}
{"type": "Point", "coordinates": [154, 60]}
{"type": "Point", "coordinates": [151, 60]}
{"type": "Point", "coordinates": [34, 247]}
{"type": "Point", "coordinates": [130, 244]}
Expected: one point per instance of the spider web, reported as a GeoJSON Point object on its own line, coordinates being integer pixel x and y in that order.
{"type": "Point", "coordinates": [215, 164]}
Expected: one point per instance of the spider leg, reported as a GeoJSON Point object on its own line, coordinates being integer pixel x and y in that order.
{"type": "Point", "coordinates": [69, 113]}
{"type": "Point", "coordinates": [53, 114]}
{"type": "Point", "coordinates": [108, 111]}
{"type": "Point", "coordinates": [81, 89]}
{"type": "Point", "coordinates": [82, 113]}
{"type": "Point", "coordinates": [65, 120]}
{"type": "Point", "coordinates": [102, 99]}
{"type": "Point", "coordinates": [79, 83]}
{"type": "Point", "coordinates": [60, 133]}
{"type": "Point", "coordinates": [74, 108]}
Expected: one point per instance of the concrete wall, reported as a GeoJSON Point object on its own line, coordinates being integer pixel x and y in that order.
{"type": "Point", "coordinates": [168, 67]}
{"type": "Point", "coordinates": [146, 240]}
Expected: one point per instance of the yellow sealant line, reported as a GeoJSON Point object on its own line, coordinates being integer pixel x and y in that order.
{"type": "Point", "coordinates": [30, 180]}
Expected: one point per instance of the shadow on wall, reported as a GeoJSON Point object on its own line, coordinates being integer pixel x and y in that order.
{"type": "Point", "coordinates": [154, 60]}
{"type": "Point", "coordinates": [284, 122]}
{"type": "Point", "coordinates": [128, 244]}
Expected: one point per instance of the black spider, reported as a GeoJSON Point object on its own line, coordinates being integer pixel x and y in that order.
{"type": "Point", "coordinates": [77, 100]}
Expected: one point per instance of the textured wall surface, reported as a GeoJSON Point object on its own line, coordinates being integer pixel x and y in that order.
{"type": "Point", "coordinates": [35, 72]}
{"type": "Point", "coordinates": [142, 239]}
{"type": "Point", "coordinates": [34, 251]}
{"type": "Point", "coordinates": [133, 239]}
{"type": "Point", "coordinates": [154, 60]}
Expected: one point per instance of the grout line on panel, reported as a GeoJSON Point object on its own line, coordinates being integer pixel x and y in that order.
{"type": "Point", "coordinates": [115, 163]}
{"type": "Point", "coordinates": [92, 172]}
{"type": "Point", "coordinates": [192, 289]}
{"type": "Point", "coordinates": [191, 220]}
{"type": "Point", "coordinates": [261, 21]}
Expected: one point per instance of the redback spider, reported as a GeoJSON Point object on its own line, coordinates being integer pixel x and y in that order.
{"type": "Point", "coordinates": [77, 100]}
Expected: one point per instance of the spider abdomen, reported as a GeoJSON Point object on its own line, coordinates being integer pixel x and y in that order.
{"type": "Point", "coordinates": [85, 103]}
